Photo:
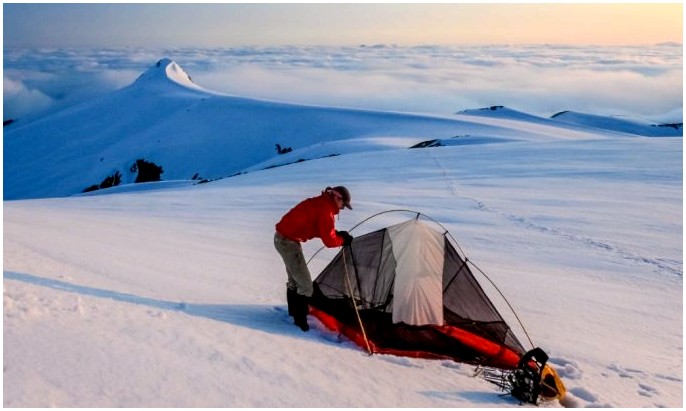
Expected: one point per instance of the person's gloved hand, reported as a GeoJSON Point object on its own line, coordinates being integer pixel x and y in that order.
{"type": "Point", "coordinates": [347, 238]}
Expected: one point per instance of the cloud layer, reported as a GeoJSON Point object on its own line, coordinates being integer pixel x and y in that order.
{"type": "Point", "coordinates": [645, 82]}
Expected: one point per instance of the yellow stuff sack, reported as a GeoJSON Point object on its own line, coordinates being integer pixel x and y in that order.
{"type": "Point", "coordinates": [551, 385]}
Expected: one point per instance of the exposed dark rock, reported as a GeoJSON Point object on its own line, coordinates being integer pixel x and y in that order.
{"type": "Point", "coordinates": [283, 150]}
{"type": "Point", "coordinates": [428, 143]}
{"type": "Point", "coordinates": [147, 171]}
{"type": "Point", "coordinates": [676, 126]}
{"type": "Point", "coordinates": [109, 181]}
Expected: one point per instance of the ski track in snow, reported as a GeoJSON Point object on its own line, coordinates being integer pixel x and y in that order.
{"type": "Point", "coordinates": [579, 395]}
{"type": "Point", "coordinates": [659, 265]}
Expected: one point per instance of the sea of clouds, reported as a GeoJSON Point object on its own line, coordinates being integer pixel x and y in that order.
{"type": "Point", "coordinates": [643, 82]}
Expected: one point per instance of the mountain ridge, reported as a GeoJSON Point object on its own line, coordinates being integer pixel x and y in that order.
{"type": "Point", "coordinates": [618, 123]}
{"type": "Point", "coordinates": [164, 118]}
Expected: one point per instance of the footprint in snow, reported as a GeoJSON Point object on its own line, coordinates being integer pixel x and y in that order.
{"type": "Point", "coordinates": [669, 378]}
{"type": "Point", "coordinates": [625, 372]}
{"type": "Point", "coordinates": [566, 369]}
{"type": "Point", "coordinates": [584, 394]}
{"type": "Point", "coordinates": [646, 390]}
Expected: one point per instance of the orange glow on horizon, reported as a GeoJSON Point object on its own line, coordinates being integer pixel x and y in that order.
{"type": "Point", "coordinates": [597, 24]}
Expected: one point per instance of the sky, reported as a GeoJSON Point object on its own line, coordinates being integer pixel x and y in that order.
{"type": "Point", "coordinates": [215, 25]}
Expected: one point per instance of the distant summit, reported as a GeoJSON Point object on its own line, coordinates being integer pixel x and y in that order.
{"type": "Point", "coordinates": [166, 70]}
{"type": "Point", "coordinates": [500, 112]}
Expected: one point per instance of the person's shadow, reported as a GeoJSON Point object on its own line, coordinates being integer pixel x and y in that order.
{"type": "Point", "coordinates": [266, 318]}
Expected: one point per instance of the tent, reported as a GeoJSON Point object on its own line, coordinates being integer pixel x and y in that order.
{"type": "Point", "coordinates": [414, 295]}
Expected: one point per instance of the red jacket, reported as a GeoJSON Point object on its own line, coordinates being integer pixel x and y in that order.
{"type": "Point", "coordinates": [312, 218]}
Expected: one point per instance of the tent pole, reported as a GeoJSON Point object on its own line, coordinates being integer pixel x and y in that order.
{"type": "Point", "coordinates": [352, 297]}
{"type": "Point", "coordinates": [505, 299]}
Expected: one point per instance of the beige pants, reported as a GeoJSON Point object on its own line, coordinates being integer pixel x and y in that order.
{"type": "Point", "coordinates": [299, 278]}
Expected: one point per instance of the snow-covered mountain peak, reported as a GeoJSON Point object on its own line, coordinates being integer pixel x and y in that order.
{"type": "Point", "coordinates": [499, 112]}
{"type": "Point", "coordinates": [166, 70]}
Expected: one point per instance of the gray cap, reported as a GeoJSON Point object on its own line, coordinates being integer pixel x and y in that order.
{"type": "Point", "coordinates": [345, 194]}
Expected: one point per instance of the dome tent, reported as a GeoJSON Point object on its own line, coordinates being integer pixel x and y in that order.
{"type": "Point", "coordinates": [414, 295]}
{"type": "Point", "coordinates": [406, 290]}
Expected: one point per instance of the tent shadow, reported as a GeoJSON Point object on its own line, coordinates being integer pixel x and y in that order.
{"type": "Point", "coordinates": [266, 318]}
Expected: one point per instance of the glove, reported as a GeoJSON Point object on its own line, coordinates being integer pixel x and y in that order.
{"type": "Point", "coordinates": [347, 238]}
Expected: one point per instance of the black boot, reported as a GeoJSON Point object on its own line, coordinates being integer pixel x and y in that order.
{"type": "Point", "coordinates": [291, 296]}
{"type": "Point", "coordinates": [300, 314]}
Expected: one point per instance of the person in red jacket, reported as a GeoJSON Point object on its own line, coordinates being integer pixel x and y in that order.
{"type": "Point", "coordinates": [311, 218]}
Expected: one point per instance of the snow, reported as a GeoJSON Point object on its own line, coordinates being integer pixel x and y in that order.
{"type": "Point", "coordinates": [620, 123]}
{"type": "Point", "coordinates": [171, 294]}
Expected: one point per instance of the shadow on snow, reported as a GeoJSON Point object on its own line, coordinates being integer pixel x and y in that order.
{"type": "Point", "coordinates": [266, 318]}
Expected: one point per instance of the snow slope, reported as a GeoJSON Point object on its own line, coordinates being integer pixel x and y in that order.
{"type": "Point", "coordinates": [612, 124]}
{"type": "Point", "coordinates": [618, 123]}
{"type": "Point", "coordinates": [171, 295]}
{"type": "Point", "coordinates": [165, 118]}
{"type": "Point", "coordinates": [184, 129]}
